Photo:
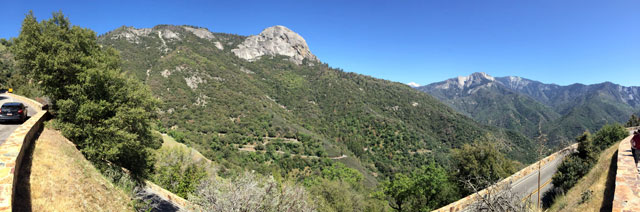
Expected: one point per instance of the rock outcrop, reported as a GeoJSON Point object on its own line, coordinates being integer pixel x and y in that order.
{"type": "Point", "coordinates": [131, 34]}
{"type": "Point", "coordinates": [200, 32]}
{"type": "Point", "coordinates": [276, 40]}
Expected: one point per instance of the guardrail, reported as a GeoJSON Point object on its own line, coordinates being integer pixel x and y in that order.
{"type": "Point", "coordinates": [465, 202]}
{"type": "Point", "coordinates": [627, 192]}
{"type": "Point", "coordinates": [14, 149]}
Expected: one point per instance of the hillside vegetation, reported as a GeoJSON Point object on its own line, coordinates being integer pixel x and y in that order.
{"type": "Point", "coordinates": [273, 114]}
{"type": "Point", "coordinates": [328, 140]}
{"type": "Point", "coordinates": [590, 169]}
{"type": "Point", "coordinates": [595, 189]}
{"type": "Point", "coordinates": [218, 102]}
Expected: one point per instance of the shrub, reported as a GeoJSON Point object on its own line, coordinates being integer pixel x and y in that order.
{"type": "Point", "coordinates": [251, 192]}
{"type": "Point", "coordinates": [570, 171]}
{"type": "Point", "coordinates": [577, 165]}
{"type": "Point", "coordinates": [177, 172]}
{"type": "Point", "coordinates": [425, 189]}
{"type": "Point", "coordinates": [608, 135]}
{"type": "Point", "coordinates": [479, 162]}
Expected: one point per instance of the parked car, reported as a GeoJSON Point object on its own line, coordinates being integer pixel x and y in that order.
{"type": "Point", "coordinates": [13, 111]}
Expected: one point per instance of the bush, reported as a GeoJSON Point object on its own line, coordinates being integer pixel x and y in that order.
{"type": "Point", "coordinates": [177, 172]}
{"type": "Point", "coordinates": [251, 192]}
{"type": "Point", "coordinates": [426, 189]}
{"type": "Point", "coordinates": [577, 165]}
{"type": "Point", "coordinates": [608, 135]}
{"type": "Point", "coordinates": [482, 164]}
{"type": "Point", "coordinates": [633, 121]}
{"type": "Point", "coordinates": [570, 171]}
{"type": "Point", "coordinates": [586, 150]}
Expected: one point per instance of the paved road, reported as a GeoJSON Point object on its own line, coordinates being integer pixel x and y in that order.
{"type": "Point", "coordinates": [7, 128]}
{"type": "Point", "coordinates": [529, 184]}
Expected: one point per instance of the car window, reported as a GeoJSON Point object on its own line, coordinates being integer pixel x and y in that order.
{"type": "Point", "coordinates": [10, 108]}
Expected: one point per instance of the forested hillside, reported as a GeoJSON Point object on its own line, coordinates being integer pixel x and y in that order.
{"type": "Point", "coordinates": [273, 111]}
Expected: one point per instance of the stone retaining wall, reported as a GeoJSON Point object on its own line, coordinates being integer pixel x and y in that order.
{"type": "Point", "coordinates": [13, 150]}
{"type": "Point", "coordinates": [171, 197]}
{"type": "Point", "coordinates": [627, 191]}
{"type": "Point", "coordinates": [463, 203]}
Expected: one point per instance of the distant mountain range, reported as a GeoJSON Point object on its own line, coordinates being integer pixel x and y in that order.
{"type": "Point", "coordinates": [532, 107]}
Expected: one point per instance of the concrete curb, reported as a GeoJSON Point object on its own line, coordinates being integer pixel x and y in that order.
{"type": "Point", "coordinates": [13, 150]}
{"type": "Point", "coordinates": [463, 203]}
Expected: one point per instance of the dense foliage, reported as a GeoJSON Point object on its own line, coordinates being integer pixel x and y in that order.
{"type": "Point", "coordinates": [425, 189]}
{"type": "Point", "coordinates": [480, 164]}
{"type": "Point", "coordinates": [177, 172]}
{"type": "Point", "coordinates": [106, 114]}
{"type": "Point", "coordinates": [578, 164]}
{"type": "Point", "coordinates": [6, 63]}
{"type": "Point", "coordinates": [633, 121]}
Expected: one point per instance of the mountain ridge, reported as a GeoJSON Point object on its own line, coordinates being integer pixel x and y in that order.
{"type": "Point", "coordinates": [569, 109]}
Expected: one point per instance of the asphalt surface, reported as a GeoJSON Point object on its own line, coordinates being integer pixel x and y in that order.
{"type": "Point", "coordinates": [7, 128]}
{"type": "Point", "coordinates": [528, 185]}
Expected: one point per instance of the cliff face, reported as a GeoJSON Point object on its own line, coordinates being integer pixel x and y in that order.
{"type": "Point", "coordinates": [276, 40]}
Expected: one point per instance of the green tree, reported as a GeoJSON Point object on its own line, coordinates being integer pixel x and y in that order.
{"type": "Point", "coordinates": [633, 121]}
{"type": "Point", "coordinates": [586, 150]}
{"type": "Point", "coordinates": [570, 171]}
{"type": "Point", "coordinates": [425, 189]}
{"type": "Point", "coordinates": [608, 135]}
{"type": "Point", "coordinates": [339, 171]}
{"type": "Point", "coordinates": [398, 191]}
{"type": "Point", "coordinates": [432, 188]}
{"type": "Point", "coordinates": [578, 164]}
{"type": "Point", "coordinates": [481, 164]}
{"type": "Point", "coordinates": [106, 114]}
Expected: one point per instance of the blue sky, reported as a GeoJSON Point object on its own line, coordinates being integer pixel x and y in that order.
{"type": "Point", "coordinates": [553, 41]}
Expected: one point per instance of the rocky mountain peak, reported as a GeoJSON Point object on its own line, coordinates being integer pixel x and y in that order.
{"type": "Point", "coordinates": [275, 40]}
{"type": "Point", "coordinates": [474, 79]}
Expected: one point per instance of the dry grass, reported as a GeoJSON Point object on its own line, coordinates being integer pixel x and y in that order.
{"type": "Point", "coordinates": [169, 142]}
{"type": "Point", "coordinates": [63, 180]}
{"type": "Point", "coordinates": [599, 182]}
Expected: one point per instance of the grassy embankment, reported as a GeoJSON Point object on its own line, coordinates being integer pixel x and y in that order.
{"type": "Point", "coordinates": [595, 190]}
{"type": "Point", "coordinates": [61, 179]}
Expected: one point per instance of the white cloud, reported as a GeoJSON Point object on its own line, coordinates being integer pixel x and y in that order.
{"type": "Point", "coordinates": [413, 84]}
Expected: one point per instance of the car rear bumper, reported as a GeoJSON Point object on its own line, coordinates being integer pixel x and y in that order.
{"type": "Point", "coordinates": [11, 118]}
